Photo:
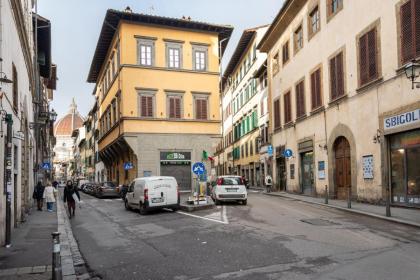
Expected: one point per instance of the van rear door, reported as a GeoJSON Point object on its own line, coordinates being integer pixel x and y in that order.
{"type": "Point", "coordinates": [162, 192]}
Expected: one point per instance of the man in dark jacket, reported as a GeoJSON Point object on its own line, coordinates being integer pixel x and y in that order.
{"type": "Point", "coordinates": [39, 195]}
{"type": "Point", "coordinates": [69, 191]}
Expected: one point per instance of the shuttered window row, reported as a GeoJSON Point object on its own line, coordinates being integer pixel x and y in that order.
{"type": "Point", "coordinates": [287, 108]}
{"type": "Point", "coordinates": [201, 109]}
{"type": "Point", "coordinates": [337, 76]}
{"type": "Point", "coordinates": [146, 106]}
{"type": "Point", "coordinates": [410, 30]}
{"type": "Point", "coordinates": [368, 57]}
{"type": "Point", "coordinates": [316, 95]}
{"type": "Point", "coordinates": [276, 108]}
{"type": "Point", "coordinates": [300, 99]}
{"type": "Point", "coordinates": [175, 107]}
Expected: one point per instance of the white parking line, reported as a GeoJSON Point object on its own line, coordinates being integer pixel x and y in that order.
{"type": "Point", "coordinates": [223, 216]}
{"type": "Point", "coordinates": [108, 200]}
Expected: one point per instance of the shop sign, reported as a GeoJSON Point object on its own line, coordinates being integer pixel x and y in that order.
{"type": "Point", "coordinates": [164, 156]}
{"type": "Point", "coordinates": [404, 119]}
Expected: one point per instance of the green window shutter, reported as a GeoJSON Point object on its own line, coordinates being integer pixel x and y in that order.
{"type": "Point", "coordinates": [255, 119]}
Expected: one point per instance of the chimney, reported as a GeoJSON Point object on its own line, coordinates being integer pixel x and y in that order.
{"type": "Point", "coordinates": [128, 10]}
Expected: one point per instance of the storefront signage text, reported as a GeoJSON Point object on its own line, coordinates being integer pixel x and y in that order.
{"type": "Point", "coordinates": [404, 119]}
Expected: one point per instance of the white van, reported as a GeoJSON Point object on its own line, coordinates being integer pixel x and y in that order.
{"type": "Point", "coordinates": [152, 193]}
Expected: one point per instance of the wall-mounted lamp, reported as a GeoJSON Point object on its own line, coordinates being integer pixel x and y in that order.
{"type": "Point", "coordinates": [377, 137]}
{"type": "Point", "coordinates": [412, 71]}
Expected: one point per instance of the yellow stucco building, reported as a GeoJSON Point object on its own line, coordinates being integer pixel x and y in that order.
{"type": "Point", "coordinates": [157, 84]}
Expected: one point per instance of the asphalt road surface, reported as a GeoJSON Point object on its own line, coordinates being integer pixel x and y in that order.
{"type": "Point", "coordinates": [270, 238]}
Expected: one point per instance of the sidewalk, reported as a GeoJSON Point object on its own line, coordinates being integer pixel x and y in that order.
{"type": "Point", "coordinates": [406, 216]}
{"type": "Point", "coordinates": [30, 255]}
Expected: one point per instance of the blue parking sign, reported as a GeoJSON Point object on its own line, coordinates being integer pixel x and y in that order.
{"type": "Point", "coordinates": [198, 168]}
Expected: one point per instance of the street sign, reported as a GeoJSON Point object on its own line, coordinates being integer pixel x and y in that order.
{"type": "Point", "coordinates": [198, 168]}
{"type": "Point", "coordinates": [46, 166]}
{"type": "Point", "coordinates": [288, 153]}
{"type": "Point", "coordinates": [270, 150]}
{"type": "Point", "coordinates": [128, 165]}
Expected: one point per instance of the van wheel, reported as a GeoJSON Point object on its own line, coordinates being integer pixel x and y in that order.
{"type": "Point", "coordinates": [175, 209]}
{"type": "Point", "coordinates": [127, 207]}
{"type": "Point", "coordinates": [244, 202]}
{"type": "Point", "coordinates": [216, 201]}
{"type": "Point", "coordinates": [142, 210]}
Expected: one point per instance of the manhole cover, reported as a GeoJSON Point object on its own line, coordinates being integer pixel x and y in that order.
{"type": "Point", "coordinates": [319, 222]}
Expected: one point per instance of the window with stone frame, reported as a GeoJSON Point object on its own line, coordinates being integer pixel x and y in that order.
{"type": "Point", "coordinates": [200, 57]}
{"type": "Point", "coordinates": [409, 31]}
{"type": "Point", "coordinates": [298, 39]}
{"type": "Point", "coordinates": [314, 21]}
{"type": "Point", "coordinates": [316, 89]}
{"type": "Point", "coordinates": [201, 107]}
{"type": "Point", "coordinates": [174, 106]}
{"type": "Point", "coordinates": [147, 104]}
{"type": "Point", "coordinates": [287, 108]}
{"type": "Point", "coordinates": [333, 7]}
{"type": "Point", "coordinates": [337, 76]}
{"type": "Point", "coordinates": [146, 52]}
{"type": "Point", "coordinates": [368, 57]}
{"type": "Point", "coordinates": [300, 99]}
{"type": "Point", "coordinates": [285, 52]}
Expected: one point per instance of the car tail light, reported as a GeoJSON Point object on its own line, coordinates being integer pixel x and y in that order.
{"type": "Point", "coordinates": [219, 181]}
{"type": "Point", "coordinates": [146, 194]}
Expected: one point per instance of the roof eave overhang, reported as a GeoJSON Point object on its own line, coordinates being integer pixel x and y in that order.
{"type": "Point", "coordinates": [287, 13]}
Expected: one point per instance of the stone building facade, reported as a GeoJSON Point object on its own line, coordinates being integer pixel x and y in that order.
{"type": "Point", "coordinates": [340, 100]}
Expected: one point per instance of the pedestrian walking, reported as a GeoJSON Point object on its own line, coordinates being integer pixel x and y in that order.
{"type": "Point", "coordinates": [49, 195]}
{"type": "Point", "coordinates": [268, 182]}
{"type": "Point", "coordinates": [70, 195]}
{"type": "Point", "coordinates": [39, 195]}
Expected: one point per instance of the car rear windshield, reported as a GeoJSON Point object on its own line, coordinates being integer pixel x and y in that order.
{"type": "Point", "coordinates": [109, 185]}
{"type": "Point", "coordinates": [231, 181]}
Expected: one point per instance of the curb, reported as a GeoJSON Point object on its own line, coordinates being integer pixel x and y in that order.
{"type": "Point", "coordinates": [192, 208]}
{"type": "Point", "coordinates": [70, 254]}
{"type": "Point", "coordinates": [389, 219]}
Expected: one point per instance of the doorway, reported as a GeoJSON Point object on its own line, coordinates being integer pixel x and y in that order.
{"type": "Point", "coordinates": [307, 166]}
{"type": "Point", "coordinates": [281, 172]}
{"type": "Point", "coordinates": [342, 172]}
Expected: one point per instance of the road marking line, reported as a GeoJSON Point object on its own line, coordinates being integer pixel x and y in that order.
{"type": "Point", "coordinates": [108, 200]}
{"type": "Point", "coordinates": [224, 215]}
{"type": "Point", "coordinates": [204, 218]}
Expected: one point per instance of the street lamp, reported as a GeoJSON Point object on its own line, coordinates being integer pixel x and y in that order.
{"type": "Point", "coordinates": [412, 71]}
{"type": "Point", "coordinates": [53, 115]}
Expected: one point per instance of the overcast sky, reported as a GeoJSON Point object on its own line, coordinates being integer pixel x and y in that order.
{"type": "Point", "coordinates": [76, 25]}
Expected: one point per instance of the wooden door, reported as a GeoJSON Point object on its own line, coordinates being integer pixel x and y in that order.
{"type": "Point", "coordinates": [342, 167]}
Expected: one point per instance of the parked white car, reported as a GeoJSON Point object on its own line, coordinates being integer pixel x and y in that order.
{"type": "Point", "coordinates": [229, 188]}
{"type": "Point", "coordinates": [150, 193]}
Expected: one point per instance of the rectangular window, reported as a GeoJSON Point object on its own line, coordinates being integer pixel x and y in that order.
{"type": "Point", "coordinates": [300, 99]}
{"type": "Point", "coordinates": [146, 51]}
{"type": "Point", "coordinates": [277, 114]}
{"type": "Point", "coordinates": [314, 21]}
{"type": "Point", "coordinates": [251, 148]}
{"type": "Point", "coordinates": [201, 108]}
{"type": "Point", "coordinates": [316, 95]}
{"type": "Point", "coordinates": [368, 57]}
{"type": "Point", "coordinates": [175, 107]}
{"type": "Point", "coordinates": [410, 31]}
{"type": "Point", "coordinates": [275, 63]}
{"type": "Point", "coordinates": [286, 52]}
{"type": "Point", "coordinates": [287, 108]}
{"type": "Point", "coordinates": [174, 58]}
{"type": "Point", "coordinates": [336, 5]}
{"type": "Point", "coordinates": [147, 105]}
{"type": "Point", "coordinates": [200, 60]}
{"type": "Point", "coordinates": [15, 88]}
{"type": "Point", "coordinates": [298, 38]}
{"type": "Point", "coordinates": [337, 76]}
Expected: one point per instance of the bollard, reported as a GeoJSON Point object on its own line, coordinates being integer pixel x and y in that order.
{"type": "Point", "coordinates": [326, 194]}
{"type": "Point", "coordinates": [388, 203]}
{"type": "Point", "coordinates": [56, 261]}
{"type": "Point", "coordinates": [349, 198]}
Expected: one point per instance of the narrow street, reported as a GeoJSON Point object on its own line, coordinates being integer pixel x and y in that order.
{"type": "Point", "coordinates": [270, 238]}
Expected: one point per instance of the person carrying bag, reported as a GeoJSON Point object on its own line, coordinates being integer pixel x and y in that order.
{"type": "Point", "coordinates": [71, 195]}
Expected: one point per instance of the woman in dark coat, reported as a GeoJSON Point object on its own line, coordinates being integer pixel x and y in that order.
{"type": "Point", "coordinates": [39, 195]}
{"type": "Point", "coordinates": [69, 190]}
